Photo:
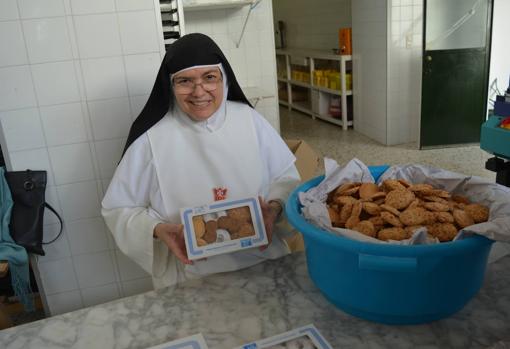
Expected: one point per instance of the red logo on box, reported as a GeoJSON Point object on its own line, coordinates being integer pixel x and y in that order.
{"type": "Point", "coordinates": [220, 194]}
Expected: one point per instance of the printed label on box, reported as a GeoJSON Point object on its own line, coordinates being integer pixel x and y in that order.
{"type": "Point", "coordinates": [222, 227]}
{"type": "Point", "coordinates": [196, 341]}
{"type": "Point", "coordinates": [306, 337]}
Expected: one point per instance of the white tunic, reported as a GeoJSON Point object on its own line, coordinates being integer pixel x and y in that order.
{"type": "Point", "coordinates": [176, 164]}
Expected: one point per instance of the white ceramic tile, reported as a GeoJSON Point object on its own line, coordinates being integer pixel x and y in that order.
{"type": "Point", "coordinates": [55, 83]}
{"type": "Point", "coordinates": [47, 40]}
{"type": "Point", "coordinates": [141, 71]}
{"type": "Point", "coordinates": [80, 7]}
{"type": "Point", "coordinates": [104, 78]}
{"type": "Point", "coordinates": [138, 286]}
{"type": "Point", "coordinates": [11, 36]}
{"type": "Point", "coordinates": [52, 199]}
{"type": "Point", "coordinates": [66, 117]}
{"type": "Point", "coordinates": [99, 295]}
{"type": "Point", "coordinates": [97, 35]}
{"type": "Point", "coordinates": [59, 248]}
{"type": "Point", "coordinates": [138, 32]}
{"type": "Point", "coordinates": [64, 302]}
{"type": "Point", "coordinates": [57, 276]}
{"type": "Point", "coordinates": [16, 89]}
{"type": "Point", "coordinates": [110, 118]}
{"type": "Point", "coordinates": [40, 8]}
{"type": "Point", "coordinates": [71, 163]}
{"type": "Point", "coordinates": [108, 154]}
{"type": "Point", "coordinates": [22, 129]}
{"type": "Point", "coordinates": [79, 200]}
{"type": "Point", "coordinates": [95, 269]}
{"type": "Point", "coordinates": [34, 159]}
{"type": "Point", "coordinates": [8, 10]}
{"type": "Point", "coordinates": [129, 270]}
{"type": "Point", "coordinates": [131, 5]}
{"type": "Point", "coordinates": [137, 103]}
{"type": "Point", "coordinates": [87, 236]}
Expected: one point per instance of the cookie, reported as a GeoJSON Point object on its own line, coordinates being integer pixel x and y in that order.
{"type": "Point", "coordinates": [343, 199]}
{"type": "Point", "coordinates": [442, 231]}
{"type": "Point", "coordinates": [241, 213]}
{"type": "Point", "coordinates": [377, 221]}
{"type": "Point", "coordinates": [245, 230]}
{"type": "Point", "coordinates": [210, 231]}
{"type": "Point", "coordinates": [392, 184]}
{"type": "Point", "coordinates": [366, 190]}
{"type": "Point", "coordinates": [198, 226]}
{"type": "Point", "coordinates": [365, 228]}
{"type": "Point", "coordinates": [371, 208]}
{"type": "Point", "coordinates": [412, 228]}
{"type": "Point", "coordinates": [435, 199]}
{"type": "Point", "coordinates": [356, 209]}
{"type": "Point", "coordinates": [444, 217]}
{"type": "Point", "coordinates": [340, 191]}
{"type": "Point", "coordinates": [399, 199]}
{"type": "Point", "coordinates": [479, 213]}
{"type": "Point", "coordinates": [345, 213]}
{"type": "Point", "coordinates": [394, 233]}
{"type": "Point", "coordinates": [462, 218]}
{"type": "Point", "coordinates": [352, 221]}
{"type": "Point", "coordinates": [391, 219]}
{"type": "Point", "coordinates": [413, 216]}
{"type": "Point", "coordinates": [228, 223]}
{"type": "Point", "coordinates": [201, 242]}
{"type": "Point", "coordinates": [461, 199]}
{"type": "Point", "coordinates": [334, 216]}
{"type": "Point", "coordinates": [390, 209]}
{"type": "Point", "coordinates": [436, 206]}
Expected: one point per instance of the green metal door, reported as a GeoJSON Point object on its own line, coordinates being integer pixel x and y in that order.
{"type": "Point", "coordinates": [455, 71]}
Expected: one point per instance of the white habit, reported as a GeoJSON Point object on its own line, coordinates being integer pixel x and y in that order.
{"type": "Point", "coordinates": [177, 163]}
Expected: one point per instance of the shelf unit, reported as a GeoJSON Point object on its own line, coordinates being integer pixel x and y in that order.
{"type": "Point", "coordinates": [320, 96]}
{"type": "Point", "coordinates": [172, 21]}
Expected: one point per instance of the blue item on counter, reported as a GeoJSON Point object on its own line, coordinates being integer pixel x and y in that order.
{"type": "Point", "coordinates": [494, 139]}
{"type": "Point", "coordinates": [391, 284]}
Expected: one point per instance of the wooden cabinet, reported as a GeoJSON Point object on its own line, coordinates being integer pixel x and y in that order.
{"type": "Point", "coordinates": [318, 83]}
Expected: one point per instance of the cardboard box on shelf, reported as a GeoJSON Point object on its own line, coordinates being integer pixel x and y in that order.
{"type": "Point", "coordinates": [307, 159]}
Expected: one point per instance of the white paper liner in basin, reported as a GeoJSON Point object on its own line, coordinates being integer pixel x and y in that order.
{"type": "Point", "coordinates": [496, 197]}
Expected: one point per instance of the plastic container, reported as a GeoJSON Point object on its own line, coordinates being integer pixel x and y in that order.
{"type": "Point", "coordinates": [387, 283]}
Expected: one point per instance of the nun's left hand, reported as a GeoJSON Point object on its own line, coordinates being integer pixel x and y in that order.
{"type": "Point", "coordinates": [270, 212]}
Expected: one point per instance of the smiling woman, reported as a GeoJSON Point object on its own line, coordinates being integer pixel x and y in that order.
{"type": "Point", "coordinates": [196, 137]}
{"type": "Point", "coordinates": [199, 91]}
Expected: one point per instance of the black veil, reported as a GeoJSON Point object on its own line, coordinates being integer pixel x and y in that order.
{"type": "Point", "coordinates": [190, 50]}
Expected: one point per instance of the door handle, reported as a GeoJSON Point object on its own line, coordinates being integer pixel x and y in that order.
{"type": "Point", "coordinates": [428, 58]}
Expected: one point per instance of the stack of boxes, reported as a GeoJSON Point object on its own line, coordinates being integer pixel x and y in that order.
{"type": "Point", "coordinates": [331, 79]}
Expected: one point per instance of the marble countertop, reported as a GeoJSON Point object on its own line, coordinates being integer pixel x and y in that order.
{"type": "Point", "coordinates": [276, 296]}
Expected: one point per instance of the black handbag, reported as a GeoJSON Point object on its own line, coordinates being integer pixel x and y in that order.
{"type": "Point", "coordinates": [27, 216]}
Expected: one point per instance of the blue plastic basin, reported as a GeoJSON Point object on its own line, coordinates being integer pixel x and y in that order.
{"type": "Point", "coordinates": [387, 283]}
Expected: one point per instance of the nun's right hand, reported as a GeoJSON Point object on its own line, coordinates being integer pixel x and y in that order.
{"type": "Point", "coordinates": [173, 236]}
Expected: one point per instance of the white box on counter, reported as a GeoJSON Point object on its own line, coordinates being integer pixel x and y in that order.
{"type": "Point", "coordinates": [196, 341]}
{"type": "Point", "coordinates": [222, 227]}
{"type": "Point", "coordinates": [306, 337]}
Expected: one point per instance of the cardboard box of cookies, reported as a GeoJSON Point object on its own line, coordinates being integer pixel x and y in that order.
{"type": "Point", "coordinates": [223, 227]}
{"type": "Point", "coordinates": [306, 337]}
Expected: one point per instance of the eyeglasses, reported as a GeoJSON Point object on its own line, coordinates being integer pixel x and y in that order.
{"type": "Point", "coordinates": [209, 82]}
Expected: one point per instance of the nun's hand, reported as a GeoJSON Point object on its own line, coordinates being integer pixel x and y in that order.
{"type": "Point", "coordinates": [270, 212]}
{"type": "Point", "coordinates": [173, 236]}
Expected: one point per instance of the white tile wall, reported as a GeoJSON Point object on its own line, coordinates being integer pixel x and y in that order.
{"type": "Point", "coordinates": [369, 40]}
{"type": "Point", "coordinates": [74, 76]}
{"type": "Point", "coordinates": [225, 26]}
{"type": "Point", "coordinates": [11, 36]}
{"type": "Point", "coordinates": [405, 26]}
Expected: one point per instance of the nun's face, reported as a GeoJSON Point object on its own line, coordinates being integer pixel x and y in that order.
{"type": "Point", "coordinates": [199, 91]}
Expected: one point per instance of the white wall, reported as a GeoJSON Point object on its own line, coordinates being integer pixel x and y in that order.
{"type": "Point", "coordinates": [369, 40]}
{"type": "Point", "coordinates": [313, 24]}
{"type": "Point", "coordinates": [254, 61]}
{"type": "Point", "coordinates": [74, 74]}
{"type": "Point", "coordinates": [500, 63]}
{"type": "Point", "coordinates": [405, 27]}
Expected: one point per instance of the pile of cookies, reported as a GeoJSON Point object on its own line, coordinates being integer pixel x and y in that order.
{"type": "Point", "coordinates": [396, 208]}
{"type": "Point", "coordinates": [236, 221]}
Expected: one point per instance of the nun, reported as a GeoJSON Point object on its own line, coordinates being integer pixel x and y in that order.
{"type": "Point", "coordinates": [197, 140]}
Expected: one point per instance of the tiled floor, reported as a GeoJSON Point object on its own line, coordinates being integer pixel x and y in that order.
{"type": "Point", "coordinates": [329, 140]}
